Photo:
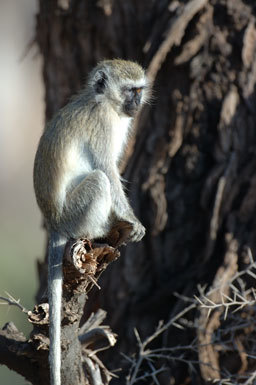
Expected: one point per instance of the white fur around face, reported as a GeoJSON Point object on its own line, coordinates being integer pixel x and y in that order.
{"type": "Point", "coordinates": [120, 130]}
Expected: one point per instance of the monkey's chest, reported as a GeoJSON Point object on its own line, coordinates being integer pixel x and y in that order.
{"type": "Point", "coordinates": [119, 136]}
{"type": "Point", "coordinates": [77, 166]}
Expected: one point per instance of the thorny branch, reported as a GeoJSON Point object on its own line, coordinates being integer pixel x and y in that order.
{"type": "Point", "coordinates": [11, 301]}
{"type": "Point", "coordinates": [227, 298]}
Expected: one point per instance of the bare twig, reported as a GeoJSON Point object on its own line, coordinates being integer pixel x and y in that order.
{"type": "Point", "coordinates": [145, 353]}
{"type": "Point", "coordinates": [13, 302]}
{"type": "Point", "coordinates": [222, 302]}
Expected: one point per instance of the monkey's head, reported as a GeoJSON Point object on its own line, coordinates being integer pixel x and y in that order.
{"type": "Point", "coordinates": [121, 83]}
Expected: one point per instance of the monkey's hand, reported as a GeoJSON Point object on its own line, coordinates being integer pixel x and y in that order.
{"type": "Point", "coordinates": [138, 231]}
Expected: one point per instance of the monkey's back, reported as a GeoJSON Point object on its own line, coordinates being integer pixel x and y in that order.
{"type": "Point", "coordinates": [58, 159]}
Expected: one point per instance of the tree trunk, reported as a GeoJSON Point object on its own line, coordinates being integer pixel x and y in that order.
{"type": "Point", "coordinates": [192, 179]}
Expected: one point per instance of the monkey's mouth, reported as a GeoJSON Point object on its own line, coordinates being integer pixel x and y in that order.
{"type": "Point", "coordinates": [130, 109]}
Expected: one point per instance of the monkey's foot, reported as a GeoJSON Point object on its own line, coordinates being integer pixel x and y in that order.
{"type": "Point", "coordinates": [119, 234]}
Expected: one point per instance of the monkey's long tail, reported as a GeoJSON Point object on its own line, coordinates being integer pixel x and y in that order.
{"type": "Point", "coordinates": [55, 255]}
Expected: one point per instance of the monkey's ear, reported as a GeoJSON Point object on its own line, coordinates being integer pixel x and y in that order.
{"type": "Point", "coordinates": [100, 79]}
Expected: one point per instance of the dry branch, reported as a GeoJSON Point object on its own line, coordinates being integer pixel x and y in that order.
{"type": "Point", "coordinates": [82, 265]}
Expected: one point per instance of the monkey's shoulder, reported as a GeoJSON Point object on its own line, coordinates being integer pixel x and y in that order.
{"type": "Point", "coordinates": [67, 121]}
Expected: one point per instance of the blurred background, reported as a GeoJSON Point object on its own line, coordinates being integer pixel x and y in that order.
{"type": "Point", "coordinates": [21, 123]}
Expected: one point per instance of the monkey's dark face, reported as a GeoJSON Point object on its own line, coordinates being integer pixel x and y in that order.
{"type": "Point", "coordinates": [132, 100]}
{"type": "Point", "coordinates": [125, 90]}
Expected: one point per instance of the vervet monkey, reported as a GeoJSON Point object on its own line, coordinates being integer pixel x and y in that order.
{"type": "Point", "coordinates": [76, 178]}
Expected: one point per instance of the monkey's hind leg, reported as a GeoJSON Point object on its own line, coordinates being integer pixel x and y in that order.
{"type": "Point", "coordinates": [88, 206]}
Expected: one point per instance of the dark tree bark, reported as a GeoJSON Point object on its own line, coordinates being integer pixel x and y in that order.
{"type": "Point", "coordinates": [191, 172]}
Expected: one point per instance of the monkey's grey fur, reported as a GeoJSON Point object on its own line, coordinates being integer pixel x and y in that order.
{"type": "Point", "coordinates": [76, 178]}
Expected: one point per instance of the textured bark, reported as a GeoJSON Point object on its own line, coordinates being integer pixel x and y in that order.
{"type": "Point", "coordinates": [191, 170]}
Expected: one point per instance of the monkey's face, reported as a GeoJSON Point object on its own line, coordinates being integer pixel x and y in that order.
{"type": "Point", "coordinates": [132, 97]}
{"type": "Point", "coordinates": [122, 84]}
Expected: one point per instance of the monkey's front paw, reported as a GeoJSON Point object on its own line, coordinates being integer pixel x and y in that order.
{"type": "Point", "coordinates": [138, 232]}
